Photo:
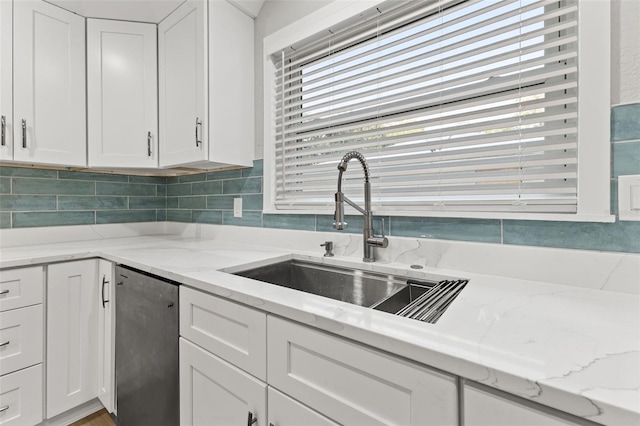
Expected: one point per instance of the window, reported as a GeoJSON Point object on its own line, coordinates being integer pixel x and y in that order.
{"type": "Point", "coordinates": [461, 107]}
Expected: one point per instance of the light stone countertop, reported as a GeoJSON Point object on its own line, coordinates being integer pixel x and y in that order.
{"type": "Point", "coordinates": [575, 349]}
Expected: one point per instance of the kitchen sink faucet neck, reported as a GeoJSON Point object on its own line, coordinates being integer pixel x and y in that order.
{"type": "Point", "coordinates": [368, 236]}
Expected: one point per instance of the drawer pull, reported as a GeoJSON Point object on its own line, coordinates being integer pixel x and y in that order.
{"type": "Point", "coordinates": [5, 408]}
{"type": "Point", "coordinates": [4, 291]}
{"type": "Point", "coordinates": [5, 343]}
{"type": "Point", "coordinates": [251, 420]}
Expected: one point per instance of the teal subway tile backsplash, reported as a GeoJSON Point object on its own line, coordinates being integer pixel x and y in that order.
{"type": "Point", "coordinates": [247, 219]}
{"type": "Point", "coordinates": [41, 186]}
{"type": "Point", "coordinates": [207, 197]}
{"type": "Point", "coordinates": [626, 158]}
{"type": "Point", "coordinates": [242, 186]}
{"type": "Point", "coordinates": [178, 189]}
{"type": "Point", "coordinates": [54, 218]}
{"type": "Point", "coordinates": [147, 202]}
{"type": "Point", "coordinates": [625, 122]}
{"type": "Point", "coordinates": [477, 230]}
{"type": "Point", "coordinates": [5, 185]}
{"type": "Point", "coordinates": [27, 202]}
{"type": "Point", "coordinates": [65, 175]}
{"type": "Point", "coordinates": [620, 236]}
{"type": "Point", "coordinates": [197, 202]}
{"type": "Point", "coordinates": [206, 188]}
{"type": "Point", "coordinates": [125, 216]}
{"type": "Point", "coordinates": [38, 197]}
{"type": "Point", "coordinates": [130, 189]}
{"type": "Point", "coordinates": [304, 222]}
{"type": "Point", "coordinates": [28, 172]}
{"type": "Point", "coordinates": [91, 203]}
{"type": "Point", "coordinates": [5, 220]}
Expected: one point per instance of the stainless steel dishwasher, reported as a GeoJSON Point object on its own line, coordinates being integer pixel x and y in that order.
{"type": "Point", "coordinates": [147, 333]}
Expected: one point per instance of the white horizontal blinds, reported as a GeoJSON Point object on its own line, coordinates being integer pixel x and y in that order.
{"type": "Point", "coordinates": [457, 105]}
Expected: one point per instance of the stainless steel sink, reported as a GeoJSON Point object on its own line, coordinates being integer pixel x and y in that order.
{"type": "Point", "coordinates": [354, 286]}
{"type": "Point", "coordinates": [422, 300]}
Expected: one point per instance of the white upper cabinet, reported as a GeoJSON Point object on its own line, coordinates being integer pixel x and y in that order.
{"type": "Point", "coordinates": [122, 94]}
{"type": "Point", "coordinates": [182, 69]}
{"type": "Point", "coordinates": [231, 85]}
{"type": "Point", "coordinates": [206, 86]}
{"type": "Point", "coordinates": [6, 80]}
{"type": "Point", "coordinates": [49, 85]}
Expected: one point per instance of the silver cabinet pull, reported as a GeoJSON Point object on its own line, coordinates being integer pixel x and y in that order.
{"type": "Point", "coordinates": [251, 420]}
{"type": "Point", "coordinates": [5, 408]}
{"type": "Point", "coordinates": [198, 124]}
{"type": "Point", "coordinates": [5, 343]}
{"type": "Point", "coordinates": [149, 144]}
{"type": "Point", "coordinates": [24, 133]}
{"type": "Point", "coordinates": [4, 292]}
{"type": "Point", "coordinates": [3, 125]}
{"type": "Point", "coordinates": [104, 281]}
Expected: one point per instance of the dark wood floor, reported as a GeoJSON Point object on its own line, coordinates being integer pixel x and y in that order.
{"type": "Point", "coordinates": [100, 418]}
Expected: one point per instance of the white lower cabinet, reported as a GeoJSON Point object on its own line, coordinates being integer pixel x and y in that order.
{"type": "Point", "coordinates": [285, 411]}
{"type": "Point", "coordinates": [72, 330]}
{"type": "Point", "coordinates": [353, 384]}
{"type": "Point", "coordinates": [106, 335]}
{"type": "Point", "coordinates": [21, 346]}
{"type": "Point", "coordinates": [484, 407]}
{"type": "Point", "coordinates": [21, 397]}
{"type": "Point", "coordinates": [214, 392]}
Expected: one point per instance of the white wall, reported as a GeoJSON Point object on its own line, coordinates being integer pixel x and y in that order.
{"type": "Point", "coordinates": [625, 48]}
{"type": "Point", "coordinates": [625, 51]}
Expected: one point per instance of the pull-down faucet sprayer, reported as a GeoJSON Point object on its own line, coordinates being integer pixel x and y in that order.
{"type": "Point", "coordinates": [369, 239]}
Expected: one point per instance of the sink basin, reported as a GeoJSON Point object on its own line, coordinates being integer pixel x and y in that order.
{"type": "Point", "coordinates": [354, 286]}
{"type": "Point", "coordinates": [421, 300]}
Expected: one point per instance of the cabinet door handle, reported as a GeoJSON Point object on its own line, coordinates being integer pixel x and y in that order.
{"type": "Point", "coordinates": [5, 343]}
{"type": "Point", "coordinates": [251, 420]}
{"type": "Point", "coordinates": [104, 281]}
{"type": "Point", "coordinates": [198, 124]}
{"type": "Point", "coordinates": [4, 292]}
{"type": "Point", "coordinates": [149, 144]}
{"type": "Point", "coordinates": [5, 408]}
{"type": "Point", "coordinates": [3, 125]}
{"type": "Point", "coordinates": [24, 133]}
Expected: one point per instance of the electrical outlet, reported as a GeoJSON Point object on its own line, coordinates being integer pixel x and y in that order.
{"type": "Point", "coordinates": [237, 207]}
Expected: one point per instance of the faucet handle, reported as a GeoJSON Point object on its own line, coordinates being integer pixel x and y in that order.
{"type": "Point", "coordinates": [382, 220]}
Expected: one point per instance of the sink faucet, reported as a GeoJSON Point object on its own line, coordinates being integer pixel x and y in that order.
{"type": "Point", "coordinates": [369, 239]}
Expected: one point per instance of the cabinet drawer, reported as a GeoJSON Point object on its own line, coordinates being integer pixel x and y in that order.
{"type": "Point", "coordinates": [483, 407]}
{"type": "Point", "coordinates": [353, 384]}
{"type": "Point", "coordinates": [284, 411]}
{"type": "Point", "coordinates": [234, 332]}
{"type": "Point", "coordinates": [20, 338]}
{"type": "Point", "coordinates": [20, 287]}
{"type": "Point", "coordinates": [21, 397]}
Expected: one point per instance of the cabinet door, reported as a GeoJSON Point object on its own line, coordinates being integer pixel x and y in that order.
{"type": "Point", "coordinates": [485, 408]}
{"type": "Point", "coordinates": [284, 411]}
{"type": "Point", "coordinates": [213, 392]}
{"type": "Point", "coordinates": [353, 384]}
{"type": "Point", "coordinates": [122, 94]}
{"type": "Point", "coordinates": [72, 330]}
{"type": "Point", "coordinates": [182, 68]}
{"type": "Point", "coordinates": [49, 85]}
{"type": "Point", "coordinates": [106, 335]}
{"type": "Point", "coordinates": [6, 80]}
{"type": "Point", "coordinates": [231, 92]}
